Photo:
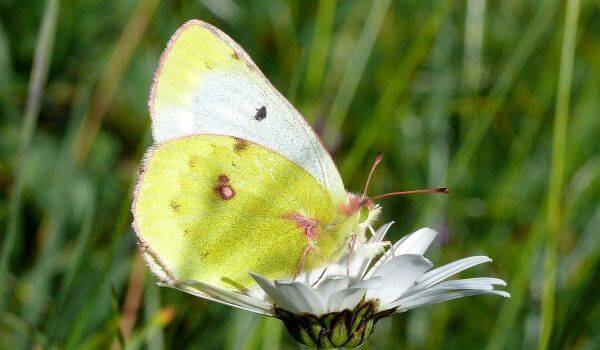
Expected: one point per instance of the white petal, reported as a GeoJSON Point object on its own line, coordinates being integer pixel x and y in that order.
{"type": "Point", "coordinates": [371, 283]}
{"type": "Point", "coordinates": [414, 243]}
{"type": "Point", "coordinates": [232, 297]}
{"type": "Point", "coordinates": [382, 231]}
{"type": "Point", "coordinates": [472, 283]}
{"type": "Point", "coordinates": [346, 299]}
{"type": "Point", "coordinates": [303, 298]}
{"type": "Point", "coordinates": [313, 276]}
{"type": "Point", "coordinates": [333, 269]}
{"type": "Point", "coordinates": [360, 262]}
{"type": "Point", "coordinates": [203, 295]}
{"type": "Point", "coordinates": [269, 288]}
{"type": "Point", "coordinates": [441, 273]}
{"type": "Point", "coordinates": [332, 285]}
{"type": "Point", "coordinates": [481, 284]}
{"type": "Point", "coordinates": [257, 293]}
{"type": "Point", "coordinates": [438, 298]}
{"type": "Point", "coordinates": [399, 274]}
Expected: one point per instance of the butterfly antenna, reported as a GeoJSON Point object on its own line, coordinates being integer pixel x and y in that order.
{"type": "Point", "coordinates": [376, 162]}
{"type": "Point", "coordinates": [441, 190]}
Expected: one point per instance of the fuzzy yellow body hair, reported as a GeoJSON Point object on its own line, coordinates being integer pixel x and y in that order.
{"type": "Point", "coordinates": [212, 208]}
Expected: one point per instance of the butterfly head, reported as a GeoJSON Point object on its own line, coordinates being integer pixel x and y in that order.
{"type": "Point", "coordinates": [366, 208]}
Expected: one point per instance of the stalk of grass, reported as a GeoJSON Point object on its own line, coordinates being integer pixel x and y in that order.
{"type": "Point", "coordinates": [518, 286]}
{"type": "Point", "coordinates": [478, 128]}
{"type": "Point", "coordinates": [37, 82]}
{"type": "Point", "coordinates": [53, 221]}
{"type": "Point", "coordinates": [518, 283]}
{"type": "Point", "coordinates": [133, 297]}
{"type": "Point", "coordinates": [581, 260]}
{"type": "Point", "coordinates": [113, 74]}
{"type": "Point", "coordinates": [7, 74]}
{"type": "Point", "coordinates": [272, 334]}
{"type": "Point", "coordinates": [385, 106]}
{"type": "Point", "coordinates": [295, 77]}
{"type": "Point", "coordinates": [162, 318]}
{"type": "Point", "coordinates": [243, 326]}
{"type": "Point", "coordinates": [354, 71]}
{"type": "Point", "coordinates": [69, 276]}
{"type": "Point", "coordinates": [52, 228]}
{"type": "Point", "coordinates": [319, 51]}
{"type": "Point", "coordinates": [154, 340]}
{"type": "Point", "coordinates": [474, 33]}
{"type": "Point", "coordinates": [554, 223]}
{"type": "Point", "coordinates": [508, 181]}
{"type": "Point", "coordinates": [14, 323]}
{"type": "Point", "coordinates": [121, 222]}
{"type": "Point", "coordinates": [436, 116]}
{"type": "Point", "coordinates": [283, 26]}
{"type": "Point", "coordinates": [502, 204]}
{"type": "Point", "coordinates": [102, 100]}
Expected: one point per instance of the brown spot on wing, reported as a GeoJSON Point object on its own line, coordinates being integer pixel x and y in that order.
{"type": "Point", "coordinates": [224, 189]}
{"type": "Point", "coordinates": [175, 206]}
{"type": "Point", "coordinates": [240, 145]}
{"type": "Point", "coordinates": [193, 162]}
{"type": "Point", "coordinates": [226, 192]}
{"type": "Point", "coordinates": [223, 179]}
{"type": "Point", "coordinates": [235, 56]}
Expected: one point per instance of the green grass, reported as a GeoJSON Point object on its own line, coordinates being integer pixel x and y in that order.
{"type": "Point", "coordinates": [557, 172]}
{"type": "Point", "coordinates": [498, 100]}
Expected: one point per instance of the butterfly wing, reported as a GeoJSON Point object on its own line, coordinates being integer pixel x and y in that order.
{"type": "Point", "coordinates": [212, 208]}
{"type": "Point", "coordinates": [206, 83]}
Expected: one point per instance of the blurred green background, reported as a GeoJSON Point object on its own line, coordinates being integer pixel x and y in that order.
{"type": "Point", "coordinates": [498, 100]}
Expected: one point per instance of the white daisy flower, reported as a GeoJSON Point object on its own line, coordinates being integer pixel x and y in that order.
{"type": "Point", "coordinates": [338, 305]}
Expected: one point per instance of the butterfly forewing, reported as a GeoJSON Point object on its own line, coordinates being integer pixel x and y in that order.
{"type": "Point", "coordinates": [206, 83]}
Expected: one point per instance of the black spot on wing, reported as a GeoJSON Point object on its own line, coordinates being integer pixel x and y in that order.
{"type": "Point", "coordinates": [261, 113]}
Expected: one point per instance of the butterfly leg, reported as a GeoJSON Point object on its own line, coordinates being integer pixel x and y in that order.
{"type": "Point", "coordinates": [309, 248]}
{"type": "Point", "coordinates": [352, 246]}
{"type": "Point", "coordinates": [390, 247]}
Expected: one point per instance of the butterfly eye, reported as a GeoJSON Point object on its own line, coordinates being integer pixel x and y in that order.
{"type": "Point", "coordinates": [363, 214]}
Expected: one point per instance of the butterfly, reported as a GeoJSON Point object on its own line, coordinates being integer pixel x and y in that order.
{"type": "Point", "coordinates": [237, 180]}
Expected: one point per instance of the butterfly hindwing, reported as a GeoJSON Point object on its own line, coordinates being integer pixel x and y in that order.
{"type": "Point", "coordinates": [206, 83]}
{"type": "Point", "coordinates": [211, 208]}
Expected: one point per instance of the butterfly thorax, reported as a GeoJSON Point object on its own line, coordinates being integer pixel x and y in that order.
{"type": "Point", "coordinates": [352, 219]}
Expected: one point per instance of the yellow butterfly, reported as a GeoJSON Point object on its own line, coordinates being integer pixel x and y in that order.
{"type": "Point", "coordinates": [238, 181]}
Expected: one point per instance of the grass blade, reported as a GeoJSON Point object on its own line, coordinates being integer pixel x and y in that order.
{"type": "Point", "coordinates": [319, 52]}
{"type": "Point", "coordinates": [480, 126]}
{"type": "Point", "coordinates": [557, 171]}
{"type": "Point", "coordinates": [37, 82]}
{"type": "Point", "coordinates": [111, 78]}
{"type": "Point", "coordinates": [397, 86]}
{"type": "Point", "coordinates": [354, 71]}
